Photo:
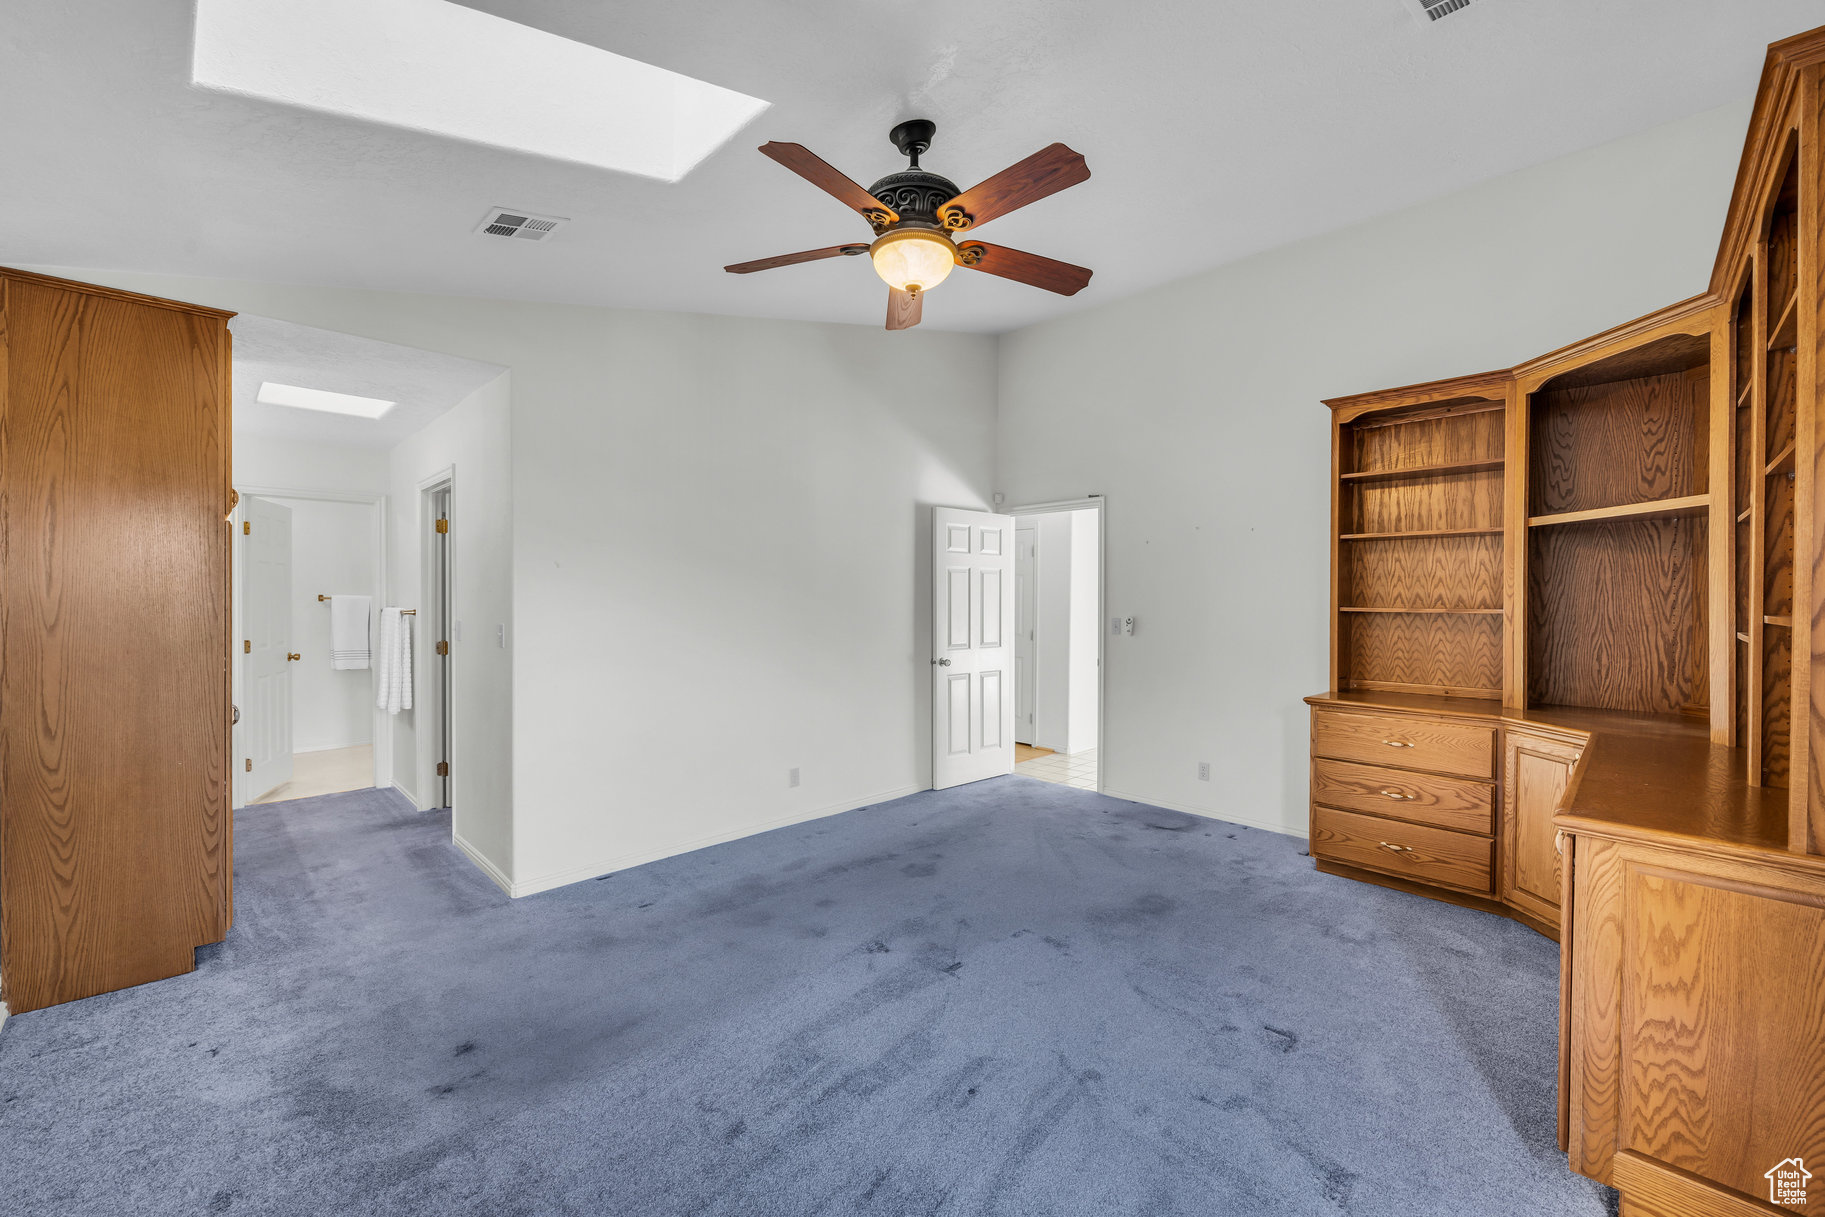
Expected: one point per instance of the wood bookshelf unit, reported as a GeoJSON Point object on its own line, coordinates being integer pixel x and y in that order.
{"type": "Point", "coordinates": [1566, 685]}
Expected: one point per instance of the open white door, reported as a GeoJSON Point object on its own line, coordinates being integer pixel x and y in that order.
{"type": "Point", "coordinates": [972, 646]}
{"type": "Point", "coordinates": [267, 654]}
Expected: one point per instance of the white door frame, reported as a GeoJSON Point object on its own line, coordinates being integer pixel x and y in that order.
{"type": "Point", "coordinates": [383, 740]}
{"type": "Point", "coordinates": [1099, 504]}
{"type": "Point", "coordinates": [422, 643]}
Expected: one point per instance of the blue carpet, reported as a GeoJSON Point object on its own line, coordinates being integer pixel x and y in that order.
{"type": "Point", "coordinates": [1009, 998]}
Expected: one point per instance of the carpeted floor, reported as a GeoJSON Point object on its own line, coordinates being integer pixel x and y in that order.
{"type": "Point", "coordinates": [1010, 998]}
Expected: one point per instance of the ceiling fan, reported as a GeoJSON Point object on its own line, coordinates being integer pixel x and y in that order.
{"type": "Point", "coordinates": [916, 216]}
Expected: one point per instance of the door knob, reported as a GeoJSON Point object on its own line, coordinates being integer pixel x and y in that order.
{"type": "Point", "coordinates": [943, 663]}
{"type": "Point", "coordinates": [291, 655]}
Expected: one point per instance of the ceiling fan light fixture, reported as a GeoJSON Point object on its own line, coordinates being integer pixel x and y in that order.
{"type": "Point", "coordinates": [913, 259]}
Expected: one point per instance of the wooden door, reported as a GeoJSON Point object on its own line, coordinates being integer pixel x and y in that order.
{"type": "Point", "coordinates": [266, 608]}
{"type": "Point", "coordinates": [972, 646]}
{"type": "Point", "coordinates": [1535, 771]}
{"type": "Point", "coordinates": [114, 638]}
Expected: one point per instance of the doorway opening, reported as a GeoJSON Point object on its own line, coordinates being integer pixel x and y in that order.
{"type": "Point", "coordinates": [1058, 642]}
{"type": "Point", "coordinates": [310, 573]}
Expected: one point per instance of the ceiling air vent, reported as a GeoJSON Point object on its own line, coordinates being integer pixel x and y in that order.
{"type": "Point", "coordinates": [1428, 11]}
{"type": "Point", "coordinates": [522, 225]}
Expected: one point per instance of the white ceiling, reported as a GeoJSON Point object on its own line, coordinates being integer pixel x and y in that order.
{"type": "Point", "coordinates": [422, 384]}
{"type": "Point", "coordinates": [1213, 128]}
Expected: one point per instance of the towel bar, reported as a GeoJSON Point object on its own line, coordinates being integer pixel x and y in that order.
{"type": "Point", "coordinates": [402, 612]}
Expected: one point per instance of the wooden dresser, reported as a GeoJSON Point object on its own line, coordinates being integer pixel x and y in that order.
{"type": "Point", "coordinates": [1566, 688]}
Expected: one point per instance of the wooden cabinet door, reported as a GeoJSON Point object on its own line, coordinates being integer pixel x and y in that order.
{"type": "Point", "coordinates": [114, 564]}
{"type": "Point", "coordinates": [1535, 771]}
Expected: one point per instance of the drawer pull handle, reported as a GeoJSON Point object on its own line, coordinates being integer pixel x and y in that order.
{"type": "Point", "coordinates": [1397, 743]}
{"type": "Point", "coordinates": [1400, 795]}
{"type": "Point", "coordinates": [1399, 849]}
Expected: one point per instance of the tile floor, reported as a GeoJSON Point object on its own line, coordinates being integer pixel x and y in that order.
{"type": "Point", "coordinates": [328, 772]}
{"type": "Point", "coordinates": [1066, 768]}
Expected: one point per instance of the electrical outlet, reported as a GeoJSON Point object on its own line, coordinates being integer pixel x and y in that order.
{"type": "Point", "coordinates": [1203, 771]}
{"type": "Point", "coordinates": [792, 776]}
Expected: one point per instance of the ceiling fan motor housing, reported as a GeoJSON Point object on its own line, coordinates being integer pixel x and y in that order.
{"type": "Point", "coordinates": [915, 193]}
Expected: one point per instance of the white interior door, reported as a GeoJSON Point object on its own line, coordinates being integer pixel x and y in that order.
{"type": "Point", "coordinates": [266, 724]}
{"type": "Point", "coordinates": [1026, 629]}
{"type": "Point", "coordinates": [972, 646]}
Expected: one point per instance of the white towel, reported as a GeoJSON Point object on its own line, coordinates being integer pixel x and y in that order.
{"type": "Point", "coordinates": [349, 632]}
{"type": "Point", "coordinates": [393, 684]}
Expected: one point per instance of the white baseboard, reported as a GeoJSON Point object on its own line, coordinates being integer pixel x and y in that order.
{"type": "Point", "coordinates": [487, 867]}
{"type": "Point", "coordinates": [2, 1016]}
{"type": "Point", "coordinates": [578, 874]}
{"type": "Point", "coordinates": [1224, 817]}
{"type": "Point", "coordinates": [360, 743]}
{"type": "Point", "coordinates": [405, 794]}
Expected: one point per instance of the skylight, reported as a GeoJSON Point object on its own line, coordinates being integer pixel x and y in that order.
{"type": "Point", "coordinates": [434, 66]}
{"type": "Point", "coordinates": [274, 394]}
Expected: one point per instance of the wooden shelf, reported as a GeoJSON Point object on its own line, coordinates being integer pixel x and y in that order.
{"type": "Point", "coordinates": [1743, 515]}
{"type": "Point", "coordinates": [1783, 457]}
{"type": "Point", "coordinates": [1785, 332]}
{"type": "Point", "coordinates": [1423, 532]}
{"type": "Point", "coordinates": [1742, 397]}
{"type": "Point", "coordinates": [1422, 471]}
{"type": "Point", "coordinates": [1456, 612]}
{"type": "Point", "coordinates": [1781, 621]}
{"type": "Point", "coordinates": [1741, 637]}
{"type": "Point", "coordinates": [1689, 505]}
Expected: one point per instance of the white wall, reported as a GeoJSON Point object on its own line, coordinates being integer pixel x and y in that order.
{"type": "Point", "coordinates": [722, 571]}
{"type": "Point", "coordinates": [473, 445]}
{"type": "Point", "coordinates": [1195, 409]}
{"type": "Point", "coordinates": [285, 464]}
{"type": "Point", "coordinates": [1086, 624]}
{"type": "Point", "coordinates": [333, 552]}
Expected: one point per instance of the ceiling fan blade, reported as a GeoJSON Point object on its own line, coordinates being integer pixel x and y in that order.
{"type": "Point", "coordinates": [814, 169]}
{"type": "Point", "coordinates": [903, 309]}
{"type": "Point", "coordinates": [1047, 171]}
{"type": "Point", "coordinates": [810, 255]}
{"type": "Point", "coordinates": [1049, 273]}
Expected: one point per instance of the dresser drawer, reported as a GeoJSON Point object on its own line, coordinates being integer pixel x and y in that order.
{"type": "Point", "coordinates": [1411, 743]}
{"type": "Point", "coordinates": [1459, 803]}
{"type": "Point", "coordinates": [1412, 851]}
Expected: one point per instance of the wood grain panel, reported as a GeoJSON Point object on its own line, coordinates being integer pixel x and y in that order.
{"type": "Point", "coordinates": [1424, 572]}
{"type": "Point", "coordinates": [1723, 1025]}
{"type": "Point", "coordinates": [1654, 1189]}
{"type": "Point", "coordinates": [1444, 439]}
{"type": "Point", "coordinates": [113, 692]}
{"type": "Point", "coordinates": [1461, 749]}
{"type": "Point", "coordinates": [1780, 425]}
{"type": "Point", "coordinates": [1448, 501]}
{"type": "Point", "coordinates": [1616, 615]}
{"type": "Point", "coordinates": [1777, 544]}
{"type": "Point", "coordinates": [1629, 441]}
{"type": "Point", "coordinates": [1412, 851]}
{"type": "Point", "coordinates": [1777, 705]}
{"type": "Point", "coordinates": [1596, 1008]}
{"type": "Point", "coordinates": [1423, 652]}
{"type": "Point", "coordinates": [1424, 798]}
{"type": "Point", "coordinates": [1535, 773]}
